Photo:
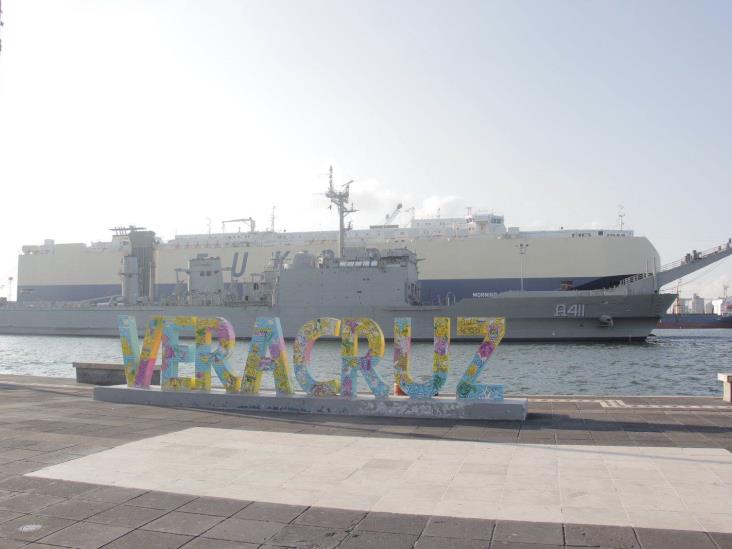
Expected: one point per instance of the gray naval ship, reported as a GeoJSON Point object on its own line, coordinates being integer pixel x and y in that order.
{"type": "Point", "coordinates": [350, 282]}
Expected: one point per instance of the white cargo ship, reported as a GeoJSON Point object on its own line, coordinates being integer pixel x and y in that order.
{"type": "Point", "coordinates": [472, 257]}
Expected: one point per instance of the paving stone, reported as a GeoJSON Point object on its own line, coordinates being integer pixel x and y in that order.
{"type": "Point", "coordinates": [32, 527]}
{"type": "Point", "coordinates": [12, 543]}
{"type": "Point", "coordinates": [218, 507]}
{"type": "Point", "coordinates": [529, 532]}
{"type": "Point", "coordinates": [454, 527]}
{"type": "Point", "coordinates": [75, 509]}
{"type": "Point", "coordinates": [378, 540]}
{"type": "Point", "coordinates": [429, 542]}
{"type": "Point", "coordinates": [393, 522]}
{"type": "Point", "coordinates": [139, 539]}
{"type": "Point", "coordinates": [183, 523]}
{"type": "Point", "coordinates": [5, 516]}
{"type": "Point", "coordinates": [161, 500]}
{"type": "Point", "coordinates": [275, 512]}
{"type": "Point", "coordinates": [15, 454]}
{"type": "Point", "coordinates": [618, 537]}
{"type": "Point", "coordinates": [64, 488]}
{"type": "Point", "coordinates": [723, 541]}
{"type": "Point", "coordinates": [85, 535]}
{"type": "Point", "coordinates": [127, 515]}
{"type": "Point", "coordinates": [207, 543]}
{"type": "Point", "coordinates": [10, 470]}
{"type": "Point", "coordinates": [330, 518]}
{"type": "Point", "coordinates": [23, 484]}
{"type": "Point", "coordinates": [112, 494]}
{"type": "Point", "coordinates": [252, 531]}
{"type": "Point", "coordinates": [28, 503]}
{"type": "Point", "coordinates": [294, 535]}
{"type": "Point", "coordinates": [52, 458]}
{"type": "Point", "coordinates": [49, 446]}
{"type": "Point", "coordinates": [651, 538]}
{"type": "Point", "coordinates": [519, 545]}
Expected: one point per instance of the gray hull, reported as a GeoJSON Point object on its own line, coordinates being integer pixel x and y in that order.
{"type": "Point", "coordinates": [534, 316]}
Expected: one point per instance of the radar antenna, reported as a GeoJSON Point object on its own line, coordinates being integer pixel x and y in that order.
{"type": "Point", "coordinates": [621, 216]}
{"type": "Point", "coordinates": [340, 199]}
{"type": "Point", "coordinates": [124, 231]}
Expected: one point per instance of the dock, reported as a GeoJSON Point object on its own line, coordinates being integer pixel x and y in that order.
{"type": "Point", "coordinates": [580, 471]}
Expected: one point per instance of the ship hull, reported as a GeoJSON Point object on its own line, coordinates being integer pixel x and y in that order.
{"type": "Point", "coordinates": [541, 316]}
{"type": "Point", "coordinates": [694, 321]}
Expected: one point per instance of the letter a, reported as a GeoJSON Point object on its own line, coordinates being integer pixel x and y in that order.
{"type": "Point", "coordinates": [267, 337]}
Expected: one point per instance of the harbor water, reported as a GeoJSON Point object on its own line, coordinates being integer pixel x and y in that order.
{"type": "Point", "coordinates": [671, 362]}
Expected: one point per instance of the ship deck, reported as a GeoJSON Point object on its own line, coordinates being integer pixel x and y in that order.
{"type": "Point", "coordinates": [587, 471]}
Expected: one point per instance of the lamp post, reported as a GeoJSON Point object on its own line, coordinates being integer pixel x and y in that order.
{"type": "Point", "coordinates": [522, 252]}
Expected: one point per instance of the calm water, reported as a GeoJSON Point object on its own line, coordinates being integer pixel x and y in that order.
{"type": "Point", "coordinates": [674, 362]}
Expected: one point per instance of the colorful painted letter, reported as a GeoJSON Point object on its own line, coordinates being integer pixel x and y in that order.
{"type": "Point", "coordinates": [351, 363]}
{"type": "Point", "coordinates": [218, 358]}
{"type": "Point", "coordinates": [403, 355]}
{"type": "Point", "coordinates": [174, 353]}
{"type": "Point", "coordinates": [302, 355]}
{"type": "Point", "coordinates": [493, 329]}
{"type": "Point", "coordinates": [267, 337]}
{"type": "Point", "coordinates": [139, 365]}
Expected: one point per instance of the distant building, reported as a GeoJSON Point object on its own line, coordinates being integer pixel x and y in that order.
{"type": "Point", "coordinates": [697, 305]}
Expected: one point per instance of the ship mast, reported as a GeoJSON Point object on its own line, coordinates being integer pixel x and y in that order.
{"type": "Point", "coordinates": [1, 24]}
{"type": "Point", "coordinates": [340, 200]}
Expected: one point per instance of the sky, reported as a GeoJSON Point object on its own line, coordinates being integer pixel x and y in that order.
{"type": "Point", "coordinates": [176, 115]}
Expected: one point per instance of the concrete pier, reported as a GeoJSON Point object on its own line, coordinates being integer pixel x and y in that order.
{"type": "Point", "coordinates": [641, 472]}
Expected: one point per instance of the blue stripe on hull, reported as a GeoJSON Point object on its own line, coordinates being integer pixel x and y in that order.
{"type": "Point", "coordinates": [432, 290]}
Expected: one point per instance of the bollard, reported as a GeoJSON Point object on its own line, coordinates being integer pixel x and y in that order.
{"type": "Point", "coordinates": [726, 380]}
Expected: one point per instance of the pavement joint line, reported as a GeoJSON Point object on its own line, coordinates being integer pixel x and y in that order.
{"type": "Point", "coordinates": [618, 403]}
{"type": "Point", "coordinates": [51, 385]}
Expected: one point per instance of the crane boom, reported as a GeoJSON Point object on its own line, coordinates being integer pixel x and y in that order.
{"type": "Point", "coordinates": [250, 221]}
{"type": "Point", "coordinates": [390, 217]}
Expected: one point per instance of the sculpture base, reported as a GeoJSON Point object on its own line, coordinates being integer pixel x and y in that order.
{"type": "Point", "coordinates": [511, 409]}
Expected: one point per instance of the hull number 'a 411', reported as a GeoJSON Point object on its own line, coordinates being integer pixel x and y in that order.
{"type": "Point", "coordinates": [577, 310]}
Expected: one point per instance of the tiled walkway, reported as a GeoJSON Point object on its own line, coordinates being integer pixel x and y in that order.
{"type": "Point", "coordinates": [46, 423]}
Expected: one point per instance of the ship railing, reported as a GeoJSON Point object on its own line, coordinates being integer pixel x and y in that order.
{"type": "Point", "coordinates": [690, 258]}
{"type": "Point", "coordinates": [635, 278]}
{"type": "Point", "coordinates": [699, 255]}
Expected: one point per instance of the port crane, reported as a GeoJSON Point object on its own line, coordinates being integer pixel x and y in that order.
{"type": "Point", "coordinates": [390, 217]}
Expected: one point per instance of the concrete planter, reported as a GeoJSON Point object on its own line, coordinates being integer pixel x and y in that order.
{"type": "Point", "coordinates": [96, 373]}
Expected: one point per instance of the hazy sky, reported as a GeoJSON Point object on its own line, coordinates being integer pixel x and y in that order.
{"type": "Point", "coordinates": [166, 113]}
